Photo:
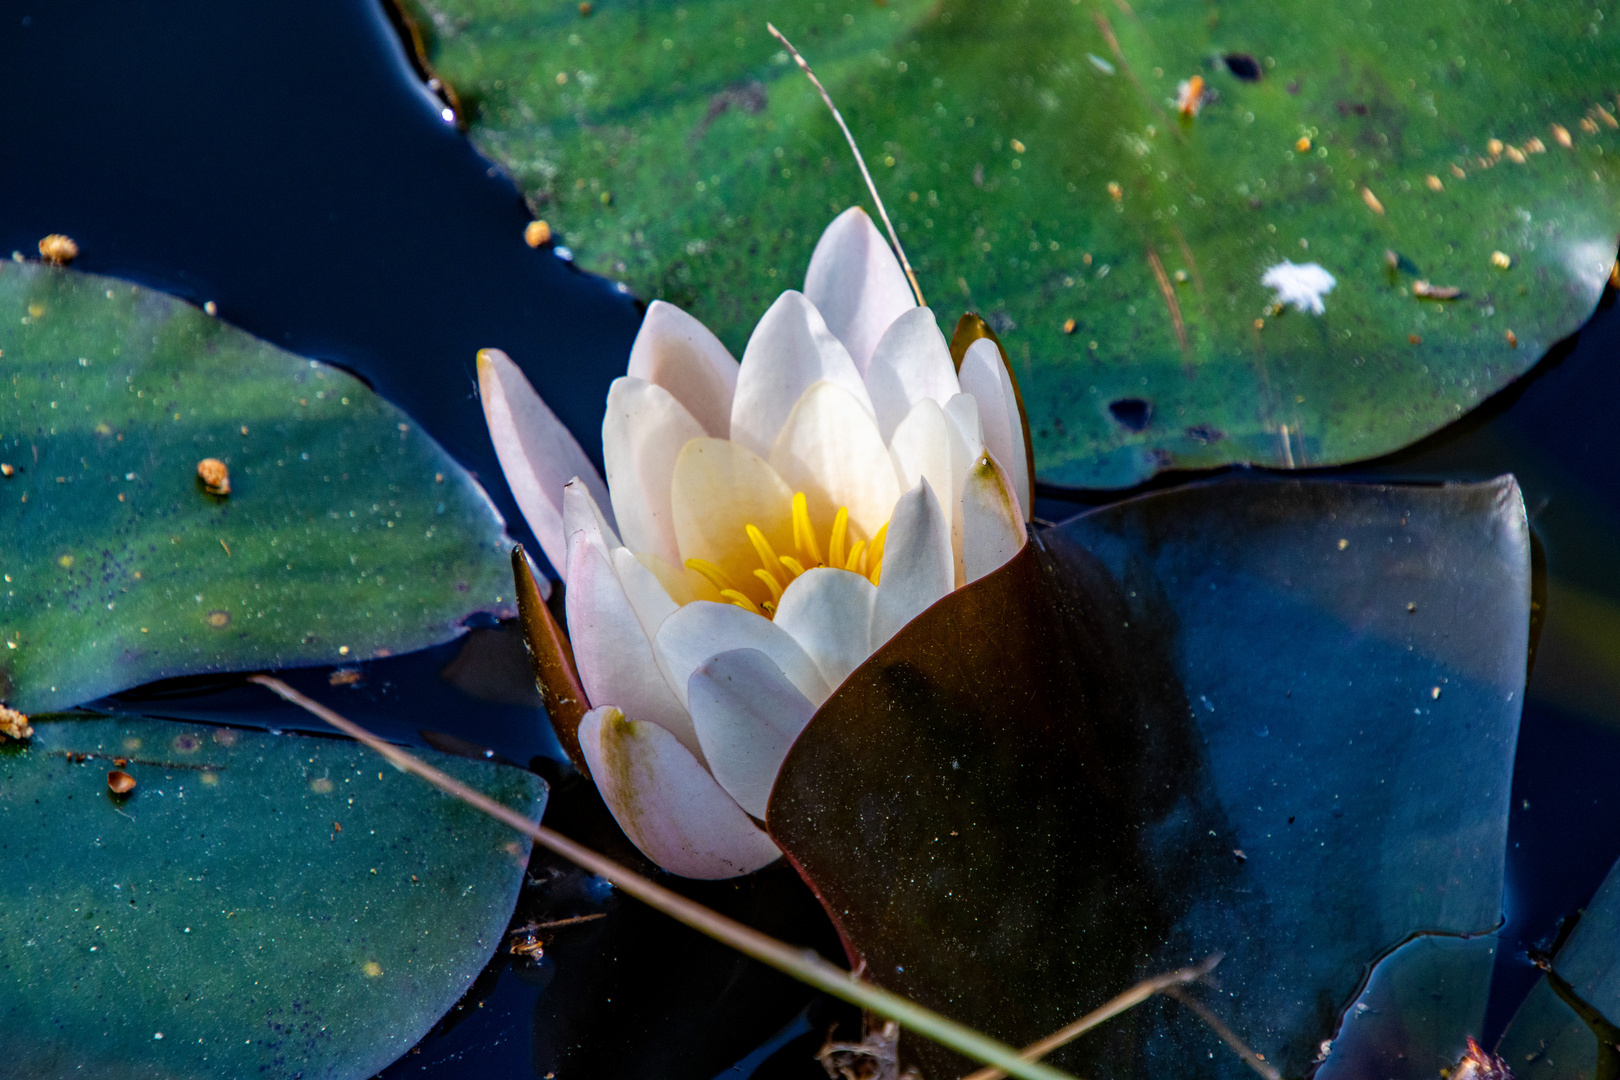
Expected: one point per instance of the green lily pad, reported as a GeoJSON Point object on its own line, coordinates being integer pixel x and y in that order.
{"type": "Point", "coordinates": [347, 531]}
{"type": "Point", "coordinates": [258, 906]}
{"type": "Point", "coordinates": [1038, 170]}
{"type": "Point", "coordinates": [1270, 719]}
{"type": "Point", "coordinates": [1569, 1026]}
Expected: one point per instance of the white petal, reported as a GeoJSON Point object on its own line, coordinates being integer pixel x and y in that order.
{"type": "Point", "coordinates": [857, 283]}
{"type": "Point", "coordinates": [985, 377]}
{"type": "Point", "coordinates": [582, 514]}
{"type": "Point", "coordinates": [648, 597]}
{"type": "Point", "coordinates": [963, 413]}
{"type": "Point", "coordinates": [642, 435]}
{"type": "Point", "coordinates": [924, 447]}
{"type": "Point", "coordinates": [719, 489]}
{"type": "Point", "coordinates": [790, 351]}
{"type": "Point", "coordinates": [829, 448]}
{"type": "Point", "coordinates": [747, 716]}
{"type": "Point", "coordinates": [829, 613]}
{"type": "Point", "coordinates": [704, 629]}
{"type": "Point", "coordinates": [911, 362]}
{"type": "Point", "coordinates": [679, 353]}
{"type": "Point", "coordinates": [667, 803]}
{"type": "Point", "coordinates": [992, 527]}
{"type": "Point", "coordinates": [917, 564]}
{"type": "Point", "coordinates": [611, 647]}
{"type": "Point", "coordinates": [537, 453]}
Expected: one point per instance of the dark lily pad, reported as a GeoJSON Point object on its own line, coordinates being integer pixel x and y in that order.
{"type": "Point", "coordinates": [258, 906]}
{"type": "Point", "coordinates": [1569, 1026]}
{"type": "Point", "coordinates": [1271, 719]}
{"type": "Point", "coordinates": [347, 533]}
{"type": "Point", "coordinates": [1039, 172]}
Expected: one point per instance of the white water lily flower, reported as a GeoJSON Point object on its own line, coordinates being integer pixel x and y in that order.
{"type": "Point", "coordinates": [1300, 284]}
{"type": "Point", "coordinates": [767, 526]}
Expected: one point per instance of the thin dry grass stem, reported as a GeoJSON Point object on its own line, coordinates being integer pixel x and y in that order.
{"type": "Point", "coordinates": [802, 964]}
{"type": "Point", "coordinates": [894, 237]}
{"type": "Point", "coordinates": [1128, 1000]}
{"type": "Point", "coordinates": [1228, 1036]}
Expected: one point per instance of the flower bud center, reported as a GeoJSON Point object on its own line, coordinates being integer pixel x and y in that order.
{"type": "Point", "coordinates": [776, 572]}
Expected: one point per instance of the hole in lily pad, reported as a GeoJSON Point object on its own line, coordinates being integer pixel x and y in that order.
{"type": "Point", "coordinates": [1132, 413]}
{"type": "Point", "coordinates": [1243, 66]}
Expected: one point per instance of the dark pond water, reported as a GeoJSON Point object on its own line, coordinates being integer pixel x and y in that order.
{"type": "Point", "coordinates": [285, 162]}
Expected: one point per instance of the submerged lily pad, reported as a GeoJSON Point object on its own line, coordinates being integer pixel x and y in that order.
{"type": "Point", "coordinates": [1569, 1026]}
{"type": "Point", "coordinates": [347, 532]}
{"type": "Point", "coordinates": [1040, 172]}
{"type": "Point", "coordinates": [258, 906]}
{"type": "Point", "coordinates": [1275, 720]}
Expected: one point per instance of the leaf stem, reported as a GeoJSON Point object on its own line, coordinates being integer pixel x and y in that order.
{"type": "Point", "coordinates": [894, 238]}
{"type": "Point", "coordinates": [802, 964]}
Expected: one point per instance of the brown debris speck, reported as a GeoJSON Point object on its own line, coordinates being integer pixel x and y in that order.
{"type": "Point", "coordinates": [1068, 326]}
{"type": "Point", "coordinates": [1414, 339]}
{"type": "Point", "coordinates": [120, 782]}
{"type": "Point", "coordinates": [14, 725]}
{"type": "Point", "coordinates": [58, 250]}
{"type": "Point", "coordinates": [1302, 144]}
{"type": "Point", "coordinates": [7, 471]}
{"type": "Point", "coordinates": [215, 477]}
{"type": "Point", "coordinates": [1606, 116]}
{"type": "Point", "coordinates": [1588, 125]}
{"type": "Point", "coordinates": [537, 233]}
{"type": "Point", "coordinates": [1494, 147]}
{"type": "Point", "coordinates": [1533, 145]}
{"type": "Point", "coordinates": [1434, 183]}
{"type": "Point", "coordinates": [1456, 170]}
{"type": "Point", "coordinates": [1424, 291]}
{"type": "Point", "coordinates": [1561, 136]}
{"type": "Point", "coordinates": [1115, 191]}
{"type": "Point", "coordinates": [1501, 260]}
{"type": "Point", "coordinates": [1512, 339]}
{"type": "Point", "coordinates": [1514, 154]}
{"type": "Point", "coordinates": [1372, 201]}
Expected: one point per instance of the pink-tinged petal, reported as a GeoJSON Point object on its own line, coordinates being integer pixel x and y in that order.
{"type": "Point", "coordinates": [829, 448]}
{"type": "Point", "coordinates": [667, 803]}
{"type": "Point", "coordinates": [537, 453]}
{"type": "Point", "coordinates": [925, 447]}
{"type": "Point", "coordinates": [612, 652]}
{"type": "Point", "coordinates": [648, 598]}
{"type": "Point", "coordinates": [582, 514]}
{"type": "Point", "coordinates": [917, 565]}
{"type": "Point", "coordinates": [790, 351]}
{"type": "Point", "coordinates": [747, 715]}
{"type": "Point", "coordinates": [857, 283]}
{"type": "Point", "coordinates": [912, 362]}
{"type": "Point", "coordinates": [992, 527]}
{"type": "Point", "coordinates": [679, 353]}
{"type": "Point", "coordinates": [701, 630]}
{"type": "Point", "coordinates": [829, 613]}
{"type": "Point", "coordinates": [642, 435]}
{"type": "Point", "coordinates": [985, 377]}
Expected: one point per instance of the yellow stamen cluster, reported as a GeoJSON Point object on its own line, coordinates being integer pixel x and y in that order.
{"type": "Point", "coordinates": [776, 572]}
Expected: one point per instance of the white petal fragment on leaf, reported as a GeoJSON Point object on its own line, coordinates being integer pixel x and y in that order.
{"type": "Point", "coordinates": [642, 435]}
{"type": "Point", "coordinates": [911, 363]}
{"type": "Point", "coordinates": [992, 528]}
{"type": "Point", "coordinates": [611, 649]}
{"type": "Point", "coordinates": [1300, 284]}
{"type": "Point", "coordinates": [747, 715]}
{"type": "Point", "coordinates": [667, 803]}
{"type": "Point", "coordinates": [829, 448]}
{"type": "Point", "coordinates": [829, 613]}
{"type": "Point", "coordinates": [984, 375]}
{"type": "Point", "coordinates": [856, 282]}
{"type": "Point", "coordinates": [790, 351]}
{"type": "Point", "coordinates": [537, 453]}
{"type": "Point", "coordinates": [701, 630]}
{"type": "Point", "coordinates": [917, 564]}
{"type": "Point", "coordinates": [679, 353]}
